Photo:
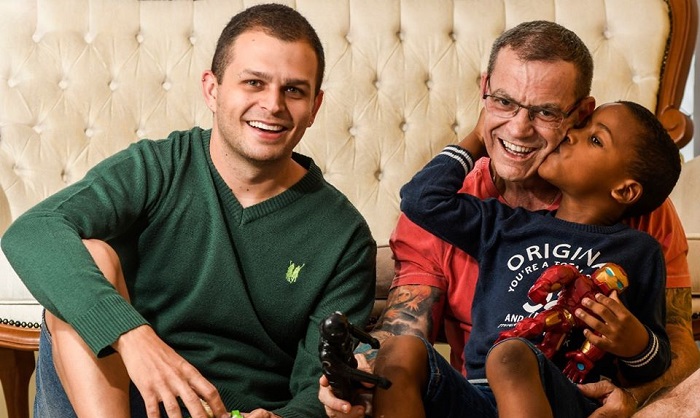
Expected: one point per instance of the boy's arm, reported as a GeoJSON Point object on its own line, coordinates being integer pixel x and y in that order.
{"type": "Point", "coordinates": [432, 201]}
{"type": "Point", "coordinates": [664, 225]}
{"type": "Point", "coordinates": [643, 355]}
{"type": "Point", "coordinates": [684, 360]}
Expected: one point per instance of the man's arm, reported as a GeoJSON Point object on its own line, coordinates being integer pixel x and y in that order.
{"type": "Point", "coordinates": [684, 352]}
{"type": "Point", "coordinates": [411, 310]}
{"type": "Point", "coordinates": [162, 375]}
{"type": "Point", "coordinates": [682, 400]}
{"type": "Point", "coordinates": [684, 361]}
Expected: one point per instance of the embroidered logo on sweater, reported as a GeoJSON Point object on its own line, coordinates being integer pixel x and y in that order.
{"type": "Point", "coordinates": [293, 272]}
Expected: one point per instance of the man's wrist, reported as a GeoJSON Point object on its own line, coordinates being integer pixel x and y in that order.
{"type": "Point", "coordinates": [633, 396]}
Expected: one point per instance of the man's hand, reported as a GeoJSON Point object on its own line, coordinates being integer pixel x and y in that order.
{"type": "Point", "coordinates": [260, 413]}
{"type": "Point", "coordinates": [339, 408]}
{"type": "Point", "coordinates": [335, 407]}
{"type": "Point", "coordinates": [411, 309]}
{"type": "Point", "coordinates": [617, 403]}
{"type": "Point", "coordinates": [161, 375]}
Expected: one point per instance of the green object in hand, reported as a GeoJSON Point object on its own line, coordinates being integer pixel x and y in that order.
{"type": "Point", "coordinates": [236, 414]}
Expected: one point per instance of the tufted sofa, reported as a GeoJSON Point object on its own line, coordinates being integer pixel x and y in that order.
{"type": "Point", "coordinates": [81, 79]}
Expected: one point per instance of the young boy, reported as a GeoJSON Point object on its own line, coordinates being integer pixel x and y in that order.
{"type": "Point", "coordinates": [620, 163]}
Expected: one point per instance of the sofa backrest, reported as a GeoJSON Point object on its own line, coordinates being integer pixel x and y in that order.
{"type": "Point", "coordinates": [81, 79]}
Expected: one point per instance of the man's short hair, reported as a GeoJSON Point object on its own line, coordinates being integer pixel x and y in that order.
{"type": "Point", "coordinates": [277, 20]}
{"type": "Point", "coordinates": [542, 40]}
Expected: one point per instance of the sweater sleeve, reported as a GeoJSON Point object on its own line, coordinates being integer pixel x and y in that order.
{"type": "Point", "coordinates": [432, 201]}
{"type": "Point", "coordinates": [44, 246]}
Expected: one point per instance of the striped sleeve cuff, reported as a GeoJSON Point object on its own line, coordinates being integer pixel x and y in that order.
{"type": "Point", "coordinates": [461, 155]}
{"type": "Point", "coordinates": [647, 355]}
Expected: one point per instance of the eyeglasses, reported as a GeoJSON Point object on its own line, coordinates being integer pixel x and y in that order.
{"type": "Point", "coordinates": [544, 117]}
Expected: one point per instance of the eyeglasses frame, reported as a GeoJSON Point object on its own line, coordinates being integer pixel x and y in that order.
{"type": "Point", "coordinates": [531, 114]}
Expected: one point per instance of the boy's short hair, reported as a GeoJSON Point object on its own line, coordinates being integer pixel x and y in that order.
{"type": "Point", "coordinates": [276, 20]}
{"type": "Point", "coordinates": [655, 163]}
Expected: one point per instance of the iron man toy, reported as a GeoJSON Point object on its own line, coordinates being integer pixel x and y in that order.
{"type": "Point", "coordinates": [557, 322]}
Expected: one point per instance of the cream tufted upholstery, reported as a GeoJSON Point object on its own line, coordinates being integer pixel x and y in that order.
{"type": "Point", "coordinates": [81, 79]}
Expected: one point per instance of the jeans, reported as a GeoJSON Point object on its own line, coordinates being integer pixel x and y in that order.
{"type": "Point", "coordinates": [51, 400]}
{"type": "Point", "coordinates": [450, 395]}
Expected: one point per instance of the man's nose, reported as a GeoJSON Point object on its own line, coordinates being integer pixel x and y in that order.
{"type": "Point", "coordinates": [273, 100]}
{"type": "Point", "coordinates": [521, 124]}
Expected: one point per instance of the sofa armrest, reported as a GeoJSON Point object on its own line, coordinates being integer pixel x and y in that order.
{"type": "Point", "coordinates": [5, 214]}
{"type": "Point", "coordinates": [694, 267]}
{"type": "Point", "coordinates": [17, 306]}
{"type": "Point", "coordinates": [385, 275]}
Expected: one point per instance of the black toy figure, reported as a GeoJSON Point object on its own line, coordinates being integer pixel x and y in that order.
{"type": "Point", "coordinates": [338, 340]}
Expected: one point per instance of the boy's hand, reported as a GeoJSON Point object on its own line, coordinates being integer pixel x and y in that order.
{"type": "Point", "coordinates": [474, 141]}
{"type": "Point", "coordinates": [621, 333]}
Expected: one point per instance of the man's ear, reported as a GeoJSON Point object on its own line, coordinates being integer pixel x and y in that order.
{"type": "Point", "coordinates": [628, 192]}
{"type": "Point", "coordinates": [584, 110]}
{"type": "Point", "coordinates": [317, 105]}
{"type": "Point", "coordinates": [210, 89]}
{"type": "Point", "coordinates": [483, 83]}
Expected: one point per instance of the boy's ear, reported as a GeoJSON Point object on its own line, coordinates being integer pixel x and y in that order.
{"type": "Point", "coordinates": [627, 192]}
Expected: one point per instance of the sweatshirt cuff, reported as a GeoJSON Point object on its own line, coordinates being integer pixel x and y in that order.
{"type": "Point", "coordinates": [463, 156]}
{"type": "Point", "coordinates": [647, 355]}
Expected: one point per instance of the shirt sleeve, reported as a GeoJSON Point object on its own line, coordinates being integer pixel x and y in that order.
{"type": "Point", "coordinates": [665, 226]}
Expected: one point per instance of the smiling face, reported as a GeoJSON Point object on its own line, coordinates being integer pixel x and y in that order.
{"type": "Point", "coordinates": [593, 159]}
{"type": "Point", "coordinates": [266, 100]}
{"type": "Point", "coordinates": [516, 146]}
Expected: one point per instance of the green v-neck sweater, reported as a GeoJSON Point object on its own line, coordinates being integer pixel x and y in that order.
{"type": "Point", "coordinates": [238, 292]}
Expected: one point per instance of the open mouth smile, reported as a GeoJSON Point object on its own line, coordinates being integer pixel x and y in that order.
{"type": "Point", "coordinates": [516, 149]}
{"type": "Point", "coordinates": [266, 127]}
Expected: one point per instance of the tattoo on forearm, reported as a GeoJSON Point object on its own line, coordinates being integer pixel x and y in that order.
{"type": "Point", "coordinates": [679, 306]}
{"type": "Point", "coordinates": [409, 310]}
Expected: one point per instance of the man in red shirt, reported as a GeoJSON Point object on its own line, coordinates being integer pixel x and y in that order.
{"type": "Point", "coordinates": [541, 67]}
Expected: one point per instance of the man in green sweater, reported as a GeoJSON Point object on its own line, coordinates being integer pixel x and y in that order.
{"type": "Point", "coordinates": [200, 266]}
